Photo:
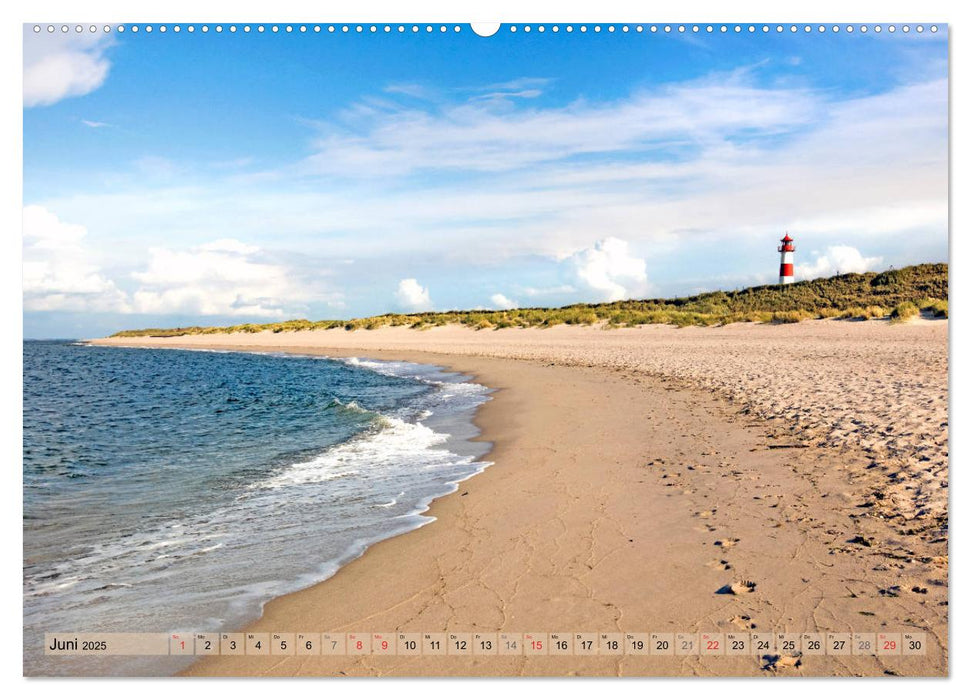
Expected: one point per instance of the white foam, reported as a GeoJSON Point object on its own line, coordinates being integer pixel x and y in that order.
{"type": "Point", "coordinates": [393, 443]}
{"type": "Point", "coordinates": [352, 406]}
{"type": "Point", "coordinates": [392, 502]}
{"type": "Point", "coordinates": [423, 373]}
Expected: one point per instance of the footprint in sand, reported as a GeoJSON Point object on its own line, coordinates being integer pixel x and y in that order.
{"type": "Point", "coordinates": [727, 542]}
{"type": "Point", "coordinates": [743, 622]}
{"type": "Point", "coordinates": [737, 588]}
{"type": "Point", "coordinates": [721, 564]}
{"type": "Point", "coordinates": [777, 662]}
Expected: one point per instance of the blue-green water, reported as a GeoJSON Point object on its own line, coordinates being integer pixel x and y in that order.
{"type": "Point", "coordinates": [171, 490]}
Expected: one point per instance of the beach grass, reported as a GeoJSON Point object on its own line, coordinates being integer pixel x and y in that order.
{"type": "Point", "coordinates": [934, 307]}
{"type": "Point", "coordinates": [900, 294]}
{"type": "Point", "coordinates": [903, 312]}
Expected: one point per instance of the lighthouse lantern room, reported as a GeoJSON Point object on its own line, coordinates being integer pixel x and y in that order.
{"type": "Point", "coordinates": [785, 266]}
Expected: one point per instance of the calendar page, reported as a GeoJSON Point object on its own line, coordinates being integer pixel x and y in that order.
{"type": "Point", "coordinates": [422, 349]}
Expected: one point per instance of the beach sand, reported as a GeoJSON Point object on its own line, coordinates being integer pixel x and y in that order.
{"type": "Point", "coordinates": [642, 475]}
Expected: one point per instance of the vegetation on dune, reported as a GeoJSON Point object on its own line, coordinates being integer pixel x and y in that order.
{"type": "Point", "coordinates": [935, 307]}
{"type": "Point", "coordinates": [904, 311]}
{"type": "Point", "coordinates": [907, 291]}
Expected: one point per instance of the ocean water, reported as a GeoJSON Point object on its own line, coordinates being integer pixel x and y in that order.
{"type": "Point", "coordinates": [178, 491]}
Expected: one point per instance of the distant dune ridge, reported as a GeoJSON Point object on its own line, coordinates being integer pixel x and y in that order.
{"type": "Point", "coordinates": [899, 294]}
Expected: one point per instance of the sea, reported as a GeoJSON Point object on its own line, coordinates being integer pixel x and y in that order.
{"type": "Point", "coordinates": [180, 490]}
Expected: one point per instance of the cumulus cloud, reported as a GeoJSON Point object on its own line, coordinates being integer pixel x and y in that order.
{"type": "Point", "coordinates": [62, 66]}
{"type": "Point", "coordinates": [412, 296]}
{"type": "Point", "coordinates": [501, 301]}
{"type": "Point", "coordinates": [223, 278]}
{"type": "Point", "coordinates": [838, 259]}
{"type": "Point", "coordinates": [609, 271]}
{"type": "Point", "coordinates": [59, 272]}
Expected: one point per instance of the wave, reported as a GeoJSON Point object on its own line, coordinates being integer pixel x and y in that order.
{"type": "Point", "coordinates": [389, 445]}
{"type": "Point", "coordinates": [350, 406]}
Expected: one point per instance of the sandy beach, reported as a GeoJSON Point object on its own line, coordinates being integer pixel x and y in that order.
{"type": "Point", "coordinates": [784, 478]}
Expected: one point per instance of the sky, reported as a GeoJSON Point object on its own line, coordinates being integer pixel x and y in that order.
{"type": "Point", "coordinates": [222, 178]}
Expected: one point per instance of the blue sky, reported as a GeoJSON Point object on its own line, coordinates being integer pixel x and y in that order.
{"type": "Point", "coordinates": [214, 178]}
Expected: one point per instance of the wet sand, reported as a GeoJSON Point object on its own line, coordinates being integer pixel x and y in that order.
{"type": "Point", "coordinates": [640, 477]}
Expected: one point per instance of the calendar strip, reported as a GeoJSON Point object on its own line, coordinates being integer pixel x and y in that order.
{"type": "Point", "coordinates": [488, 644]}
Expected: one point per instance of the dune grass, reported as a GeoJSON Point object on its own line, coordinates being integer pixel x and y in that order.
{"type": "Point", "coordinates": [904, 311]}
{"type": "Point", "coordinates": [851, 296]}
{"type": "Point", "coordinates": [933, 307]}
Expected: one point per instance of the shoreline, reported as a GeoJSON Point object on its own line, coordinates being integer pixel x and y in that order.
{"type": "Point", "coordinates": [608, 457]}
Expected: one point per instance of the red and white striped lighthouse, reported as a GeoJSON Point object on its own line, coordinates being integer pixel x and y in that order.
{"type": "Point", "coordinates": [785, 266]}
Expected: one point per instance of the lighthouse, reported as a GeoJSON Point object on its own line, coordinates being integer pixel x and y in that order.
{"type": "Point", "coordinates": [785, 265]}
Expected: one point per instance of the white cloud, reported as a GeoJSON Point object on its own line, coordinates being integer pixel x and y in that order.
{"type": "Point", "coordinates": [412, 296]}
{"type": "Point", "coordinates": [414, 90]}
{"type": "Point", "coordinates": [548, 291]}
{"type": "Point", "coordinates": [486, 133]}
{"type": "Point", "coordinates": [609, 271]}
{"type": "Point", "coordinates": [64, 65]}
{"type": "Point", "coordinates": [158, 167]}
{"type": "Point", "coordinates": [869, 169]}
{"type": "Point", "coordinates": [501, 301]}
{"type": "Point", "coordinates": [877, 220]}
{"type": "Point", "coordinates": [875, 165]}
{"type": "Point", "coordinates": [838, 259]}
{"type": "Point", "coordinates": [94, 124]}
{"type": "Point", "coordinates": [526, 88]}
{"type": "Point", "coordinates": [222, 278]}
{"type": "Point", "coordinates": [229, 245]}
{"type": "Point", "coordinates": [515, 85]}
{"type": "Point", "coordinates": [225, 277]}
{"type": "Point", "coordinates": [854, 159]}
{"type": "Point", "coordinates": [59, 272]}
